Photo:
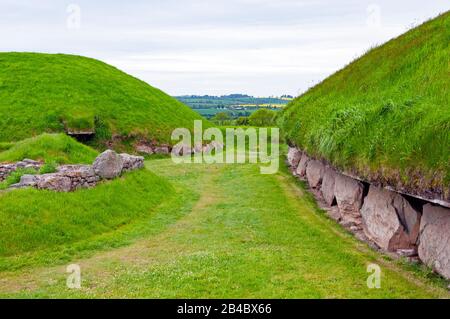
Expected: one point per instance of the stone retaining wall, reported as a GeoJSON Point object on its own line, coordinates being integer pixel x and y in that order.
{"type": "Point", "coordinates": [389, 220]}
{"type": "Point", "coordinates": [67, 178]}
{"type": "Point", "coordinates": [7, 169]}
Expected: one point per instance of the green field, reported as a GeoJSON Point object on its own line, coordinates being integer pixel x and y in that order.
{"type": "Point", "coordinates": [235, 105]}
{"type": "Point", "coordinates": [209, 113]}
{"type": "Point", "coordinates": [209, 238]}
{"type": "Point", "coordinates": [54, 92]}
{"type": "Point", "coordinates": [386, 115]}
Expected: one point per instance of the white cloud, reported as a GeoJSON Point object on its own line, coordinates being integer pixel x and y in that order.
{"type": "Point", "coordinates": [261, 47]}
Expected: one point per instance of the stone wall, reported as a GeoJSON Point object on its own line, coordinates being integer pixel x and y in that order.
{"type": "Point", "coordinates": [387, 219]}
{"type": "Point", "coordinates": [7, 169]}
{"type": "Point", "coordinates": [67, 178]}
{"type": "Point", "coordinates": [178, 150]}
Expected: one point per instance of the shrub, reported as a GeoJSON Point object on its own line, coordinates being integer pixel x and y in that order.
{"type": "Point", "coordinates": [48, 168]}
{"type": "Point", "coordinates": [262, 117]}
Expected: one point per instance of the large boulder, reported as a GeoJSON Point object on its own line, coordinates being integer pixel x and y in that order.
{"type": "Point", "coordinates": [434, 246]}
{"type": "Point", "coordinates": [409, 217]}
{"type": "Point", "coordinates": [349, 195]}
{"type": "Point", "coordinates": [327, 187]}
{"type": "Point", "coordinates": [302, 165]}
{"type": "Point", "coordinates": [108, 165]}
{"type": "Point", "coordinates": [25, 181]}
{"type": "Point", "coordinates": [55, 182]}
{"type": "Point", "coordinates": [384, 219]}
{"type": "Point", "coordinates": [293, 157]}
{"type": "Point", "coordinates": [314, 173]}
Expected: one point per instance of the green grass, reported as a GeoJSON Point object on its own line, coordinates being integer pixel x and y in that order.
{"type": "Point", "coordinates": [51, 92]}
{"type": "Point", "coordinates": [36, 221]}
{"type": "Point", "coordinates": [386, 114]}
{"type": "Point", "coordinates": [15, 176]}
{"type": "Point", "coordinates": [50, 148]}
{"type": "Point", "coordinates": [214, 239]}
{"type": "Point", "coordinates": [5, 146]}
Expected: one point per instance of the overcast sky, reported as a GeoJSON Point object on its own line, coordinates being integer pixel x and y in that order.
{"type": "Point", "coordinates": [258, 47]}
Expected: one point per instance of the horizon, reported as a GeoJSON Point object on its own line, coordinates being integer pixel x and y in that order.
{"type": "Point", "coordinates": [256, 47]}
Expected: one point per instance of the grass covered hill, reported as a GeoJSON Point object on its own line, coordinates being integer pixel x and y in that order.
{"type": "Point", "coordinates": [55, 92]}
{"type": "Point", "coordinates": [58, 148]}
{"type": "Point", "coordinates": [386, 116]}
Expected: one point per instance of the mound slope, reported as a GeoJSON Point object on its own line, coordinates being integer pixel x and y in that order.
{"type": "Point", "coordinates": [386, 116]}
{"type": "Point", "coordinates": [56, 93]}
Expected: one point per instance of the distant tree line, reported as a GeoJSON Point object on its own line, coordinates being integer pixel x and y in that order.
{"type": "Point", "coordinates": [261, 118]}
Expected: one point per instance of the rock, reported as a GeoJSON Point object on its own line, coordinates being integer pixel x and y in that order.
{"type": "Point", "coordinates": [381, 219]}
{"type": "Point", "coordinates": [7, 169]}
{"type": "Point", "coordinates": [434, 241]}
{"type": "Point", "coordinates": [72, 177]}
{"type": "Point", "coordinates": [30, 161]}
{"type": "Point", "coordinates": [21, 164]}
{"type": "Point", "coordinates": [25, 181]}
{"type": "Point", "coordinates": [314, 173]}
{"type": "Point", "coordinates": [360, 236]}
{"type": "Point", "coordinates": [349, 194]}
{"type": "Point", "coordinates": [164, 149]}
{"type": "Point", "coordinates": [216, 145]}
{"type": "Point", "coordinates": [181, 150]}
{"type": "Point", "coordinates": [213, 146]}
{"type": "Point", "coordinates": [301, 168]}
{"type": "Point", "coordinates": [108, 165]}
{"type": "Point", "coordinates": [409, 217]}
{"type": "Point", "coordinates": [144, 149]}
{"type": "Point", "coordinates": [28, 181]}
{"type": "Point", "coordinates": [293, 157]}
{"type": "Point", "coordinates": [327, 187]}
{"type": "Point", "coordinates": [334, 213]}
{"type": "Point", "coordinates": [16, 186]}
{"type": "Point", "coordinates": [198, 148]}
{"type": "Point", "coordinates": [131, 162]}
{"type": "Point", "coordinates": [76, 171]}
{"type": "Point", "coordinates": [407, 252]}
{"type": "Point", "coordinates": [54, 181]}
{"type": "Point", "coordinates": [207, 148]}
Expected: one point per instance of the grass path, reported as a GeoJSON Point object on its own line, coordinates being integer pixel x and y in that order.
{"type": "Point", "coordinates": [246, 236]}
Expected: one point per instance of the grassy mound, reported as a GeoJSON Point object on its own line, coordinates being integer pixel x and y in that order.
{"type": "Point", "coordinates": [33, 220]}
{"type": "Point", "coordinates": [58, 148]}
{"type": "Point", "coordinates": [386, 115]}
{"type": "Point", "coordinates": [53, 93]}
